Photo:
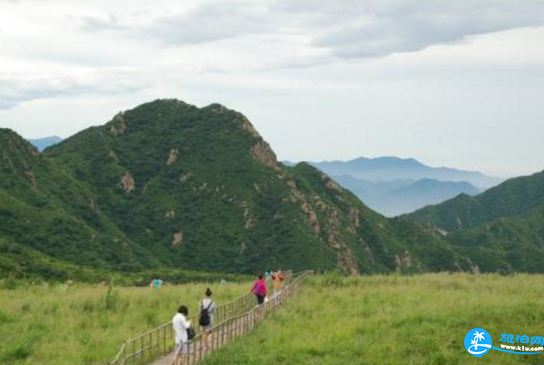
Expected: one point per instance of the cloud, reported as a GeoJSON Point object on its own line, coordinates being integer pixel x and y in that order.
{"type": "Point", "coordinates": [17, 88]}
{"type": "Point", "coordinates": [346, 29]}
{"type": "Point", "coordinates": [380, 30]}
{"type": "Point", "coordinates": [96, 24]}
{"type": "Point", "coordinates": [212, 22]}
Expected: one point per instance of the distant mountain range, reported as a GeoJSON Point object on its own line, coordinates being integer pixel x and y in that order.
{"type": "Point", "coordinates": [394, 168]}
{"type": "Point", "coordinates": [501, 229]}
{"type": "Point", "coordinates": [396, 197]}
{"type": "Point", "coordinates": [394, 186]}
{"type": "Point", "coordinates": [514, 197]}
{"type": "Point", "coordinates": [42, 143]}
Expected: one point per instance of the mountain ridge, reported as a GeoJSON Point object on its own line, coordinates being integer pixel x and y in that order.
{"type": "Point", "coordinates": [513, 197]}
{"type": "Point", "coordinates": [167, 184]}
{"type": "Point", "coordinates": [387, 168]}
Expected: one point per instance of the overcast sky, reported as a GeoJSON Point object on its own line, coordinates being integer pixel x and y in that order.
{"type": "Point", "coordinates": [455, 83]}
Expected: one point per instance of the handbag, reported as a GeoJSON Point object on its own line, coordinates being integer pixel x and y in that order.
{"type": "Point", "coordinates": [191, 333]}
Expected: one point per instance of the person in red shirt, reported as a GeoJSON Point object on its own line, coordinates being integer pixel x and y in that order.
{"type": "Point", "coordinates": [259, 289]}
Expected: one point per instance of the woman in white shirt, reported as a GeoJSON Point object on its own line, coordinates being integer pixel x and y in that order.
{"type": "Point", "coordinates": [181, 324]}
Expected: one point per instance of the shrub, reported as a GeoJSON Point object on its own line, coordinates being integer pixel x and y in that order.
{"type": "Point", "coordinates": [5, 317]}
{"type": "Point", "coordinates": [151, 317]}
{"type": "Point", "coordinates": [18, 351]}
{"type": "Point", "coordinates": [111, 298]}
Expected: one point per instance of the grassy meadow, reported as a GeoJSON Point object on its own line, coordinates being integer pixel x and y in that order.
{"type": "Point", "coordinates": [58, 324]}
{"type": "Point", "coordinates": [404, 320]}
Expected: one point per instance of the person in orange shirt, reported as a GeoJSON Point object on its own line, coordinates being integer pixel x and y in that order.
{"type": "Point", "coordinates": [277, 278]}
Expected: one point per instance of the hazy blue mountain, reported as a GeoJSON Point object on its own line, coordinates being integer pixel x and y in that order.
{"type": "Point", "coordinates": [382, 169]}
{"type": "Point", "coordinates": [397, 197]}
{"type": "Point", "coordinates": [42, 143]}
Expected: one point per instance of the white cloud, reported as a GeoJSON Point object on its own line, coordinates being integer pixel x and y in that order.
{"type": "Point", "coordinates": [16, 88]}
{"type": "Point", "coordinates": [381, 76]}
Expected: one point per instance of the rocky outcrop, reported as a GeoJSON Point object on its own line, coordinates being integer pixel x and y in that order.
{"type": "Point", "coordinates": [404, 261]}
{"type": "Point", "coordinates": [177, 239]}
{"type": "Point", "coordinates": [113, 156]}
{"type": "Point", "coordinates": [127, 182]}
{"type": "Point", "coordinates": [248, 218]}
{"type": "Point", "coordinates": [30, 175]}
{"type": "Point", "coordinates": [172, 156]}
{"type": "Point", "coordinates": [312, 219]}
{"type": "Point", "coordinates": [262, 152]}
{"type": "Point", "coordinates": [118, 125]}
{"type": "Point", "coordinates": [248, 127]}
{"type": "Point", "coordinates": [183, 178]}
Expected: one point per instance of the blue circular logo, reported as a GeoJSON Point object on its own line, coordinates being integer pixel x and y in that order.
{"type": "Point", "coordinates": [478, 342]}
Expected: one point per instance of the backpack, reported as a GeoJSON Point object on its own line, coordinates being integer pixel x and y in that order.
{"type": "Point", "coordinates": [205, 318]}
{"type": "Point", "coordinates": [261, 289]}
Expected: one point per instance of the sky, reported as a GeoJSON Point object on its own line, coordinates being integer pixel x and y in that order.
{"type": "Point", "coordinates": [451, 83]}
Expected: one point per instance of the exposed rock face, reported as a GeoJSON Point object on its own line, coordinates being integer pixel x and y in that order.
{"type": "Point", "coordinates": [331, 184]}
{"type": "Point", "coordinates": [118, 125]}
{"type": "Point", "coordinates": [312, 218]}
{"type": "Point", "coordinates": [183, 178]}
{"type": "Point", "coordinates": [127, 182]}
{"type": "Point", "coordinates": [249, 222]}
{"type": "Point", "coordinates": [113, 156]}
{"type": "Point", "coordinates": [263, 153]}
{"type": "Point", "coordinates": [172, 157]}
{"type": "Point", "coordinates": [404, 261]}
{"type": "Point", "coordinates": [177, 239]}
{"type": "Point", "coordinates": [355, 220]}
{"type": "Point", "coordinates": [346, 258]}
{"type": "Point", "coordinates": [348, 262]}
{"type": "Point", "coordinates": [30, 175]}
{"type": "Point", "coordinates": [248, 127]}
{"type": "Point", "coordinates": [473, 267]}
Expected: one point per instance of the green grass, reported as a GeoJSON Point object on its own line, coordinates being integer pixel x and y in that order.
{"type": "Point", "coordinates": [394, 320]}
{"type": "Point", "coordinates": [79, 324]}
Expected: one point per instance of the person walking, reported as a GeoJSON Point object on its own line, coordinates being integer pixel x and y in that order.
{"type": "Point", "coordinates": [207, 309]}
{"type": "Point", "coordinates": [259, 289]}
{"type": "Point", "coordinates": [277, 279]}
{"type": "Point", "coordinates": [181, 326]}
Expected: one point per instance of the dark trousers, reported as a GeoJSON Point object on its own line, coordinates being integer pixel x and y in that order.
{"type": "Point", "coordinates": [260, 299]}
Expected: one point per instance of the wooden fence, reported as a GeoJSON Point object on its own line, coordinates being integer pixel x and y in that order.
{"type": "Point", "coordinates": [232, 319]}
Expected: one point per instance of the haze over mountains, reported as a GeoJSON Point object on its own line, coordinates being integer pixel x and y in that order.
{"type": "Point", "coordinates": [394, 186]}
{"type": "Point", "coordinates": [42, 143]}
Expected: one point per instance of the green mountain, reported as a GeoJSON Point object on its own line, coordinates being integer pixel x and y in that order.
{"type": "Point", "coordinates": [43, 207]}
{"type": "Point", "coordinates": [501, 230]}
{"type": "Point", "coordinates": [511, 198]}
{"type": "Point", "coordinates": [507, 244]}
{"type": "Point", "coordinates": [170, 185]}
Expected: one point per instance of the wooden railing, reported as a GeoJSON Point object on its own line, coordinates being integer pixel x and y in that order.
{"type": "Point", "coordinates": [236, 326]}
{"type": "Point", "coordinates": [159, 342]}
